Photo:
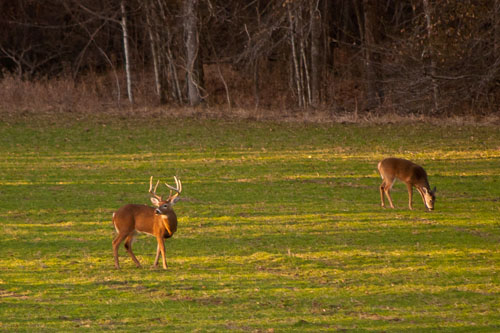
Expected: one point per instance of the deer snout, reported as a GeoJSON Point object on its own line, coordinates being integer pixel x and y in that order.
{"type": "Point", "coordinates": [158, 211]}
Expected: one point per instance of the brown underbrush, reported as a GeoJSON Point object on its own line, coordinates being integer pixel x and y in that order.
{"type": "Point", "coordinates": [104, 95]}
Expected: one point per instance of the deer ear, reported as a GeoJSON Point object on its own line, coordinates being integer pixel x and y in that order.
{"type": "Point", "coordinates": [174, 201]}
{"type": "Point", "coordinates": [434, 189]}
{"type": "Point", "coordinates": [155, 201]}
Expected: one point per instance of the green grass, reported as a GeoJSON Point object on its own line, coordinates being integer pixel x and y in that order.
{"type": "Point", "coordinates": [280, 227]}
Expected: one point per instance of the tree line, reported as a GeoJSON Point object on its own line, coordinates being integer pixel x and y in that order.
{"type": "Point", "coordinates": [408, 56]}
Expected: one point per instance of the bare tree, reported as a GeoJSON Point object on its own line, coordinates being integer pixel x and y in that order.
{"type": "Point", "coordinates": [430, 51]}
{"type": "Point", "coordinates": [153, 39]}
{"type": "Point", "coordinates": [373, 87]}
{"type": "Point", "coordinates": [126, 51]}
{"type": "Point", "coordinates": [315, 17]}
{"type": "Point", "coordinates": [496, 22]}
{"type": "Point", "coordinates": [292, 18]}
{"type": "Point", "coordinates": [192, 51]}
{"type": "Point", "coordinates": [304, 31]}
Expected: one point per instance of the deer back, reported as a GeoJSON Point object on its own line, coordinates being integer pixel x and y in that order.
{"type": "Point", "coordinates": [404, 170]}
{"type": "Point", "coordinates": [134, 217]}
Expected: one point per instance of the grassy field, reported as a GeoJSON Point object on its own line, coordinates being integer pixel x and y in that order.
{"type": "Point", "coordinates": [280, 227]}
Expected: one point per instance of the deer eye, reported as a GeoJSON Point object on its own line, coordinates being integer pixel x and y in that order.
{"type": "Point", "coordinates": [164, 206]}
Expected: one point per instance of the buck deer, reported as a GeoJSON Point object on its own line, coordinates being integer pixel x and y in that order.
{"type": "Point", "coordinates": [160, 222]}
{"type": "Point", "coordinates": [410, 173]}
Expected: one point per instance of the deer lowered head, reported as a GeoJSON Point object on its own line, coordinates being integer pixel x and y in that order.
{"type": "Point", "coordinates": [429, 197]}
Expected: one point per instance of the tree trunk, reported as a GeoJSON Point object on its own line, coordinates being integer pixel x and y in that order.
{"type": "Point", "coordinates": [373, 89]}
{"type": "Point", "coordinates": [126, 51]}
{"type": "Point", "coordinates": [315, 50]}
{"type": "Point", "coordinates": [167, 66]}
{"type": "Point", "coordinates": [192, 48]}
{"type": "Point", "coordinates": [154, 47]}
{"type": "Point", "coordinates": [327, 60]}
{"type": "Point", "coordinates": [298, 79]}
{"type": "Point", "coordinates": [430, 50]}
{"type": "Point", "coordinates": [497, 30]}
{"type": "Point", "coordinates": [306, 77]}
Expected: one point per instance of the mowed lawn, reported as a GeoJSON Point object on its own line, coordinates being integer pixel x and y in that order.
{"type": "Point", "coordinates": [280, 227]}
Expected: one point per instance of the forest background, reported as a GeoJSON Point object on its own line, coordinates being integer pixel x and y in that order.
{"type": "Point", "coordinates": [412, 57]}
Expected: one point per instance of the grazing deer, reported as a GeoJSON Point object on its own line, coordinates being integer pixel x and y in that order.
{"type": "Point", "coordinates": [408, 172]}
{"type": "Point", "coordinates": [160, 222]}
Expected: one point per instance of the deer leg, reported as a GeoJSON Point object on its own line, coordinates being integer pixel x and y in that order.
{"type": "Point", "coordinates": [116, 243]}
{"type": "Point", "coordinates": [410, 195]}
{"type": "Point", "coordinates": [128, 246]}
{"type": "Point", "coordinates": [161, 246]}
{"type": "Point", "coordinates": [157, 255]}
{"type": "Point", "coordinates": [382, 198]}
{"type": "Point", "coordinates": [387, 190]}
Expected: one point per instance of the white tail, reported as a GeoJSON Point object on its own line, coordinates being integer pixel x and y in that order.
{"type": "Point", "coordinates": [408, 172]}
{"type": "Point", "coordinates": [160, 222]}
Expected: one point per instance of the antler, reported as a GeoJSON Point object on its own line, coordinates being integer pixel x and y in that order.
{"type": "Point", "coordinates": [153, 192]}
{"type": "Point", "coordinates": [177, 189]}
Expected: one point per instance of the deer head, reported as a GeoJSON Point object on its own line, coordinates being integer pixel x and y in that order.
{"type": "Point", "coordinates": [163, 206]}
{"type": "Point", "coordinates": [429, 197]}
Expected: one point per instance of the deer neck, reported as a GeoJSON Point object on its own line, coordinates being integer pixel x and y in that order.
{"type": "Point", "coordinates": [168, 222]}
{"type": "Point", "coordinates": [424, 184]}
